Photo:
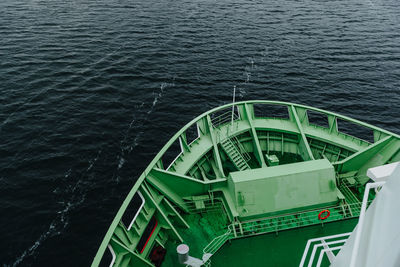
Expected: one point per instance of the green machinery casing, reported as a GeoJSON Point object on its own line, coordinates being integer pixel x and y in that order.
{"type": "Point", "coordinates": [281, 188]}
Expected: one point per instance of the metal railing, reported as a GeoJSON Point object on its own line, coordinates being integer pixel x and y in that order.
{"type": "Point", "coordinates": [326, 244]}
{"type": "Point", "coordinates": [217, 242]}
{"type": "Point", "coordinates": [279, 223]}
{"type": "Point", "coordinates": [288, 221]}
{"type": "Point", "coordinates": [240, 148]}
{"type": "Point", "coordinates": [209, 206]}
{"type": "Point", "coordinates": [337, 241]}
{"type": "Point", "coordinates": [223, 118]}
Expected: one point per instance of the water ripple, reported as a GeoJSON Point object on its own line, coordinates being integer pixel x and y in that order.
{"type": "Point", "coordinates": [97, 87]}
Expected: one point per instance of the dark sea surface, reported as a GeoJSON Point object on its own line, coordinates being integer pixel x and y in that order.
{"type": "Point", "coordinates": [91, 90]}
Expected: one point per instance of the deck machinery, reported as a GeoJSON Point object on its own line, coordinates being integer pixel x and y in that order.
{"type": "Point", "coordinates": [247, 186]}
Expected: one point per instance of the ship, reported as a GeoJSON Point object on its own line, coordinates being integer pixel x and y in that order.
{"type": "Point", "coordinates": [262, 183]}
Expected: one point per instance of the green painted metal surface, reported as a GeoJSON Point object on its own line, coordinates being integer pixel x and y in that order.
{"type": "Point", "coordinates": [276, 250]}
{"type": "Point", "coordinates": [235, 155]}
{"type": "Point", "coordinates": [272, 160]}
{"type": "Point", "coordinates": [223, 173]}
{"type": "Point", "coordinates": [271, 190]}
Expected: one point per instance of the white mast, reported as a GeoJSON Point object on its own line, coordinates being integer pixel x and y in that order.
{"type": "Point", "coordinates": [233, 102]}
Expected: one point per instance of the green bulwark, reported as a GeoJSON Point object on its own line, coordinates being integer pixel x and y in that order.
{"type": "Point", "coordinates": [272, 190]}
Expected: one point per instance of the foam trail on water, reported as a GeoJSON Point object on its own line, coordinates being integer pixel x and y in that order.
{"type": "Point", "coordinates": [131, 124]}
{"type": "Point", "coordinates": [121, 160]}
{"type": "Point", "coordinates": [249, 67]}
{"type": "Point", "coordinates": [76, 195]}
{"type": "Point", "coordinates": [247, 77]}
{"type": "Point", "coordinates": [28, 252]}
{"type": "Point", "coordinates": [121, 163]}
{"type": "Point", "coordinates": [56, 227]}
{"type": "Point", "coordinates": [157, 96]}
{"type": "Point", "coordinates": [128, 148]}
{"type": "Point", "coordinates": [93, 161]}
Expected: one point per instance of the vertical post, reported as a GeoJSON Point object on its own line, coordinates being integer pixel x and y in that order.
{"type": "Point", "coordinates": [357, 238]}
{"type": "Point", "coordinates": [233, 102]}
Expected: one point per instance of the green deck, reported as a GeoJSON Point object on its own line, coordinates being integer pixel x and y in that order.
{"type": "Point", "coordinates": [244, 180]}
{"type": "Point", "coordinates": [276, 250]}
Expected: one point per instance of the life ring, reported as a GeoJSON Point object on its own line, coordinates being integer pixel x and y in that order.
{"type": "Point", "coordinates": [324, 217]}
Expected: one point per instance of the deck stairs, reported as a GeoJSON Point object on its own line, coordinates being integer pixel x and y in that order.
{"type": "Point", "coordinates": [236, 153]}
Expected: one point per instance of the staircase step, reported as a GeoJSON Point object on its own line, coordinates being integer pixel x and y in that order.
{"type": "Point", "coordinates": [234, 154]}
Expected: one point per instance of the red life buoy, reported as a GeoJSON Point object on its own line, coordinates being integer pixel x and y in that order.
{"type": "Point", "coordinates": [325, 216]}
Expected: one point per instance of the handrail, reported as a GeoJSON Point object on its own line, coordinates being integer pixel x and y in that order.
{"type": "Point", "coordinates": [265, 227]}
{"type": "Point", "coordinates": [241, 148]}
{"type": "Point", "coordinates": [223, 118]}
{"type": "Point", "coordinates": [217, 242]}
{"type": "Point", "coordinates": [277, 223]}
{"type": "Point", "coordinates": [322, 240]}
{"type": "Point", "coordinates": [138, 211]}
